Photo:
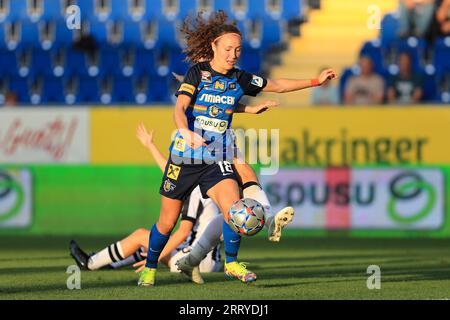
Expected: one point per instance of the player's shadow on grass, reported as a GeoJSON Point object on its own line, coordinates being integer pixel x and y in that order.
{"type": "Point", "coordinates": [86, 285]}
{"type": "Point", "coordinates": [328, 257]}
{"type": "Point", "coordinates": [389, 273]}
{"type": "Point", "coordinates": [28, 270]}
{"type": "Point", "coordinates": [333, 263]}
{"type": "Point", "coordinates": [52, 258]}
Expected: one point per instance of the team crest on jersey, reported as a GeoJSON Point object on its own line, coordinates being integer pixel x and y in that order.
{"type": "Point", "coordinates": [232, 86]}
{"type": "Point", "coordinates": [257, 81]}
{"type": "Point", "coordinates": [173, 172]}
{"type": "Point", "coordinates": [206, 76]}
{"type": "Point", "coordinates": [168, 186]}
{"type": "Point", "coordinates": [214, 111]}
{"type": "Point", "coordinates": [220, 85]}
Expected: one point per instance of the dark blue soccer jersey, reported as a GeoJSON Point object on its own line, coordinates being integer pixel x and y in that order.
{"type": "Point", "coordinates": [214, 97]}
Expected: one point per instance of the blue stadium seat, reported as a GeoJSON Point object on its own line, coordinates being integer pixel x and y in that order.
{"type": "Point", "coordinates": [373, 50]}
{"type": "Point", "coordinates": [224, 5]}
{"type": "Point", "coordinates": [29, 34]}
{"type": "Point", "coordinates": [123, 91]}
{"type": "Point", "coordinates": [166, 34]}
{"type": "Point", "coordinates": [389, 29]}
{"type": "Point", "coordinates": [110, 61]}
{"type": "Point", "coordinates": [144, 62]}
{"type": "Point", "coordinates": [20, 87]}
{"type": "Point", "coordinates": [177, 64]}
{"type": "Point", "coordinates": [292, 9]}
{"type": "Point", "coordinates": [18, 10]}
{"type": "Point", "coordinates": [120, 10]}
{"type": "Point", "coordinates": [441, 56]}
{"type": "Point", "coordinates": [52, 10]}
{"type": "Point", "coordinates": [251, 60]}
{"type": "Point", "coordinates": [41, 62]}
{"type": "Point", "coordinates": [414, 47]}
{"type": "Point", "coordinates": [53, 90]}
{"type": "Point", "coordinates": [8, 63]}
{"type": "Point", "coordinates": [158, 90]}
{"type": "Point", "coordinates": [88, 90]}
{"type": "Point", "coordinates": [153, 9]}
{"type": "Point", "coordinates": [132, 34]}
{"type": "Point", "coordinates": [256, 9]}
{"type": "Point", "coordinates": [429, 86]}
{"type": "Point", "coordinates": [75, 63]}
{"type": "Point", "coordinates": [187, 7]}
{"type": "Point", "coordinates": [86, 8]}
{"type": "Point", "coordinates": [63, 35]}
{"type": "Point", "coordinates": [271, 33]}
{"type": "Point", "coordinates": [2, 37]}
{"type": "Point", "coordinates": [99, 31]}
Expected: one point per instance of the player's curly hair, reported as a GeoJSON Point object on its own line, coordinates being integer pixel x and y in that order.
{"type": "Point", "coordinates": [201, 33]}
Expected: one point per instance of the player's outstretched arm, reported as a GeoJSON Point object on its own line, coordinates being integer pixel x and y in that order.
{"type": "Point", "coordinates": [146, 138]}
{"type": "Point", "coordinates": [256, 109]}
{"type": "Point", "coordinates": [289, 85]}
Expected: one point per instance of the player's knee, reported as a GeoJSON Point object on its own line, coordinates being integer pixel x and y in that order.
{"type": "Point", "coordinates": [141, 232]}
{"type": "Point", "coordinates": [165, 227]}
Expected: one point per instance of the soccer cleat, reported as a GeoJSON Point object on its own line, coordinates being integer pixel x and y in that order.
{"type": "Point", "coordinates": [147, 277]}
{"type": "Point", "coordinates": [80, 257]}
{"type": "Point", "coordinates": [192, 272]}
{"type": "Point", "coordinates": [238, 270]}
{"type": "Point", "coordinates": [279, 221]}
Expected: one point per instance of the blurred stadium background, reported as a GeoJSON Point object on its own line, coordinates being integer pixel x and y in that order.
{"type": "Point", "coordinates": [70, 100]}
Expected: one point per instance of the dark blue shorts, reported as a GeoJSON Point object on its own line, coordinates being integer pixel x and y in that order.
{"type": "Point", "coordinates": [180, 179]}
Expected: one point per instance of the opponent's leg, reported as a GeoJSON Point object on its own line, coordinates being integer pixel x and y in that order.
{"type": "Point", "coordinates": [117, 254]}
{"type": "Point", "coordinates": [189, 263]}
{"type": "Point", "coordinates": [252, 189]}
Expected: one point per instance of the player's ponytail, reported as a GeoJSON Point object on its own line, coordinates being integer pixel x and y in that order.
{"type": "Point", "coordinates": [201, 33]}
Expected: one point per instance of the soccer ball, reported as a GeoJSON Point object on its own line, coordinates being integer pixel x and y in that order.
{"type": "Point", "coordinates": [246, 217]}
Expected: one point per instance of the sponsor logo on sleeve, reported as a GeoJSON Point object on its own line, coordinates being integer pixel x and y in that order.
{"type": "Point", "coordinates": [257, 81]}
{"type": "Point", "coordinates": [187, 88]}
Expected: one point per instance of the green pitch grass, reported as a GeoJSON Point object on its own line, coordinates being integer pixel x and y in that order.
{"type": "Point", "coordinates": [296, 268]}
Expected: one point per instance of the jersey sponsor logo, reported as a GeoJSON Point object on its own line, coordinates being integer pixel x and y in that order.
{"type": "Point", "coordinates": [206, 76]}
{"type": "Point", "coordinates": [214, 125]}
{"type": "Point", "coordinates": [179, 144]}
{"type": "Point", "coordinates": [214, 111]}
{"type": "Point", "coordinates": [173, 172]}
{"type": "Point", "coordinates": [187, 88]}
{"type": "Point", "coordinates": [216, 99]}
{"type": "Point", "coordinates": [168, 186]}
{"type": "Point", "coordinates": [232, 86]}
{"type": "Point", "coordinates": [257, 81]}
{"type": "Point", "coordinates": [220, 85]}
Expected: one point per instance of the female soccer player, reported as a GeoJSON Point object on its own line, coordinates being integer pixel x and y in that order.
{"type": "Point", "coordinates": [195, 216]}
{"type": "Point", "coordinates": [202, 150]}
